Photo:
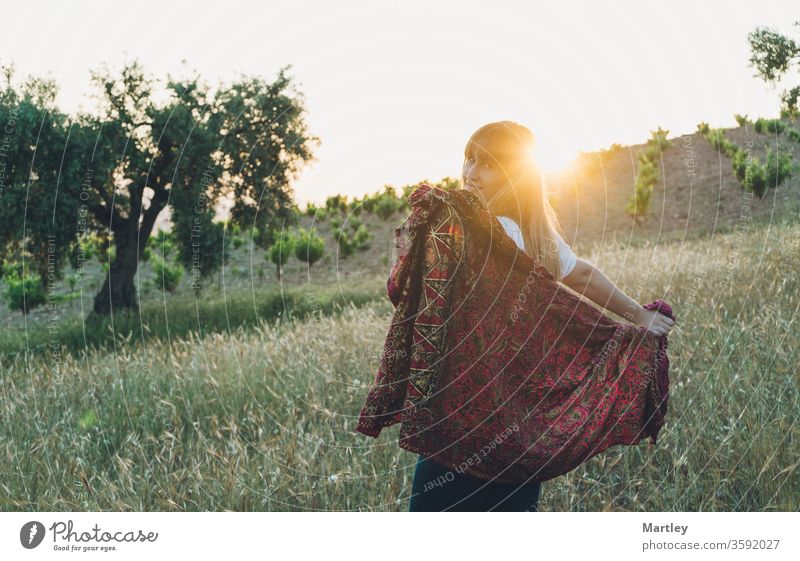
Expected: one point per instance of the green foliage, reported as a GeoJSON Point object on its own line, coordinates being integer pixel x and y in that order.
{"type": "Point", "coordinates": [309, 247]}
{"type": "Point", "coordinates": [741, 120]}
{"type": "Point", "coordinates": [772, 55]}
{"type": "Point", "coordinates": [166, 275]}
{"type": "Point", "coordinates": [720, 142]}
{"type": "Point", "coordinates": [237, 242]}
{"type": "Point", "coordinates": [162, 243]}
{"type": "Point", "coordinates": [386, 206]}
{"type": "Point", "coordinates": [777, 168]}
{"type": "Point", "coordinates": [762, 126]}
{"type": "Point", "coordinates": [354, 223]}
{"type": "Point", "coordinates": [659, 138]}
{"type": "Point", "coordinates": [192, 146]}
{"type": "Point", "coordinates": [753, 176]}
{"type": "Point", "coordinates": [281, 250]}
{"type": "Point", "coordinates": [23, 291]}
{"type": "Point", "coordinates": [349, 241]}
{"type": "Point", "coordinates": [703, 128]}
{"type": "Point", "coordinates": [655, 145]}
{"type": "Point", "coordinates": [647, 175]}
{"type": "Point", "coordinates": [336, 203]}
{"type": "Point", "coordinates": [646, 178]}
{"type": "Point", "coordinates": [750, 173]}
{"type": "Point", "coordinates": [345, 243]}
{"type": "Point", "coordinates": [793, 134]}
{"type": "Point", "coordinates": [322, 215]}
{"type": "Point", "coordinates": [362, 238]}
{"type": "Point", "coordinates": [107, 255]}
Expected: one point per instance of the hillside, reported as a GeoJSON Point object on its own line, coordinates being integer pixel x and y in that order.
{"type": "Point", "coordinates": [697, 193]}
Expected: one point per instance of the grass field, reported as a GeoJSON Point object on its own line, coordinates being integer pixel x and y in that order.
{"type": "Point", "coordinates": [263, 418]}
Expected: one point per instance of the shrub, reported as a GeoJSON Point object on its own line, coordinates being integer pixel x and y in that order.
{"type": "Point", "coordinates": [23, 292]}
{"type": "Point", "coordinates": [355, 224]}
{"type": "Point", "coordinates": [718, 141]}
{"type": "Point", "coordinates": [659, 138]}
{"type": "Point", "coordinates": [639, 202]}
{"type": "Point", "coordinates": [280, 252]}
{"type": "Point", "coordinates": [345, 243]}
{"type": "Point", "coordinates": [656, 144]}
{"type": "Point", "coordinates": [362, 238]}
{"type": "Point", "coordinates": [769, 125]}
{"type": "Point", "coordinates": [336, 203]}
{"type": "Point", "coordinates": [755, 179]}
{"type": "Point", "coordinates": [308, 247]}
{"type": "Point", "coordinates": [777, 168]}
{"type": "Point", "coordinates": [703, 128]}
{"type": "Point", "coordinates": [166, 275]}
{"type": "Point", "coordinates": [741, 120]}
{"type": "Point", "coordinates": [793, 134]}
{"type": "Point", "coordinates": [386, 206]}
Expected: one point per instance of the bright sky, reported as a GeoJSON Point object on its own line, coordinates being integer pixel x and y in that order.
{"type": "Point", "coordinates": [395, 88]}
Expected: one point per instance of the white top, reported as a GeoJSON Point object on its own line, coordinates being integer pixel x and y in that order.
{"type": "Point", "coordinates": [565, 254]}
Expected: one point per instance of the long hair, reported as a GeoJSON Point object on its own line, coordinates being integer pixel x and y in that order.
{"type": "Point", "coordinates": [508, 146]}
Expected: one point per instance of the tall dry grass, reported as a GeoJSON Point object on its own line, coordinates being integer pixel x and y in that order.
{"type": "Point", "coordinates": [263, 419]}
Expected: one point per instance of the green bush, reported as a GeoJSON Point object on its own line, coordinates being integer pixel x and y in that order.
{"type": "Point", "coordinates": [237, 241]}
{"type": "Point", "coordinates": [646, 179]}
{"type": "Point", "coordinates": [355, 224]}
{"type": "Point", "coordinates": [703, 128]}
{"type": "Point", "coordinates": [778, 168]}
{"type": "Point", "coordinates": [308, 246]}
{"type": "Point", "coordinates": [166, 275]}
{"type": "Point", "coordinates": [718, 141]}
{"type": "Point", "coordinates": [793, 134]}
{"type": "Point", "coordinates": [280, 251]}
{"type": "Point", "coordinates": [741, 120]}
{"type": "Point", "coordinates": [356, 206]}
{"type": "Point", "coordinates": [336, 203]}
{"type": "Point", "coordinates": [386, 206]}
{"type": "Point", "coordinates": [22, 292]}
{"type": "Point", "coordinates": [750, 173]}
{"type": "Point", "coordinates": [769, 125]}
{"type": "Point", "coordinates": [659, 138]}
{"type": "Point", "coordinates": [345, 243]}
{"type": "Point", "coordinates": [656, 144]}
{"type": "Point", "coordinates": [362, 238]}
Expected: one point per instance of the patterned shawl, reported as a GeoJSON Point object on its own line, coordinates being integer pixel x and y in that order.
{"type": "Point", "coordinates": [494, 369]}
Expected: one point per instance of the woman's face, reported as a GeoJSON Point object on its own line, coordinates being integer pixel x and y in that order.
{"type": "Point", "coordinates": [483, 178]}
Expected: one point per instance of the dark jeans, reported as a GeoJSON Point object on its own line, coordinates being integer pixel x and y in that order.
{"type": "Point", "coordinates": [437, 488]}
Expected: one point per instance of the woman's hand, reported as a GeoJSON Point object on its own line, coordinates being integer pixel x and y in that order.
{"type": "Point", "coordinates": [654, 321]}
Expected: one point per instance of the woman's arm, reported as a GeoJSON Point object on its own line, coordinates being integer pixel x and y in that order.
{"type": "Point", "coordinates": [590, 281]}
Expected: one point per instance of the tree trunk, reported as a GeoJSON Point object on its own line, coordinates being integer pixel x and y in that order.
{"type": "Point", "coordinates": [118, 291]}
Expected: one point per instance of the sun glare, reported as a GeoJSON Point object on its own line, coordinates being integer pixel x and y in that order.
{"type": "Point", "coordinates": [553, 159]}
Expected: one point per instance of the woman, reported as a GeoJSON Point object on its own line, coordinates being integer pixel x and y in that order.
{"type": "Point", "coordinates": [500, 169]}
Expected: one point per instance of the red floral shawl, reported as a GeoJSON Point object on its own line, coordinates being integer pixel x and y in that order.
{"type": "Point", "coordinates": [494, 369]}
